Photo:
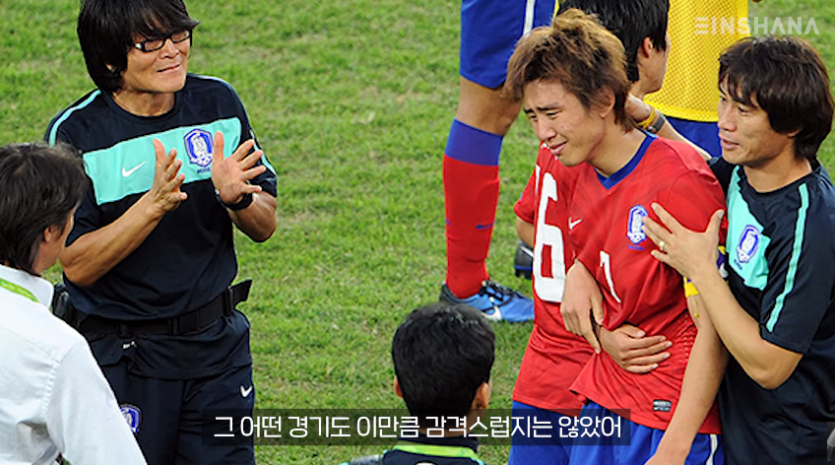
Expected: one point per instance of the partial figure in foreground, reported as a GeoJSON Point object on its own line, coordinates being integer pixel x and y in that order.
{"type": "Point", "coordinates": [55, 399]}
{"type": "Point", "coordinates": [443, 355]}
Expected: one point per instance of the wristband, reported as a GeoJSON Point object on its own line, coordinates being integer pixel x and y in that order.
{"type": "Point", "coordinates": [644, 124]}
{"type": "Point", "coordinates": [245, 201]}
{"type": "Point", "coordinates": [656, 125]}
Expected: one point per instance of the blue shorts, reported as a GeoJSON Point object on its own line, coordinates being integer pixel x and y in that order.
{"type": "Point", "coordinates": [489, 31]}
{"type": "Point", "coordinates": [705, 135]}
{"type": "Point", "coordinates": [643, 442]}
{"type": "Point", "coordinates": [540, 452]}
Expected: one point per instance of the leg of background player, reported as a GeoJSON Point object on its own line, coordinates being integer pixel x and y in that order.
{"type": "Point", "coordinates": [471, 193]}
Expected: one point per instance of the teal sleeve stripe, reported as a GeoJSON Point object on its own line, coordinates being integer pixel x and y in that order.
{"type": "Point", "coordinates": [799, 230]}
{"type": "Point", "coordinates": [53, 133]}
{"type": "Point", "coordinates": [128, 167]}
{"type": "Point", "coordinates": [267, 164]}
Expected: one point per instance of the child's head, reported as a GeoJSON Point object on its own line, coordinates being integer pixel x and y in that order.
{"type": "Point", "coordinates": [442, 356]}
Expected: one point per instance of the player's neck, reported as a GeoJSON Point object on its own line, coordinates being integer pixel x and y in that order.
{"type": "Point", "coordinates": [615, 150]}
{"type": "Point", "coordinates": [144, 103]}
{"type": "Point", "coordinates": [777, 172]}
{"type": "Point", "coordinates": [639, 90]}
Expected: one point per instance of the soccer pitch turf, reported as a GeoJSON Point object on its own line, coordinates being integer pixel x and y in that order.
{"type": "Point", "coordinates": [351, 101]}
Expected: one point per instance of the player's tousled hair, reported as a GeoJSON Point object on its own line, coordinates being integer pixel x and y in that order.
{"type": "Point", "coordinates": [580, 54]}
{"type": "Point", "coordinates": [442, 354]}
{"type": "Point", "coordinates": [631, 22]}
{"type": "Point", "coordinates": [106, 30]}
{"type": "Point", "coordinates": [787, 78]}
{"type": "Point", "coordinates": [40, 185]}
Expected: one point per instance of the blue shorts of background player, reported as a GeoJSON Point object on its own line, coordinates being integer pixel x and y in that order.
{"type": "Point", "coordinates": [643, 442]}
{"type": "Point", "coordinates": [489, 32]}
{"type": "Point", "coordinates": [553, 451]}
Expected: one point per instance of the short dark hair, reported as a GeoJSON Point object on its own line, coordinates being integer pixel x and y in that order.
{"type": "Point", "coordinates": [40, 185]}
{"type": "Point", "coordinates": [630, 21]}
{"type": "Point", "coordinates": [789, 81]}
{"type": "Point", "coordinates": [106, 29]}
{"type": "Point", "coordinates": [442, 354]}
{"type": "Point", "coordinates": [579, 53]}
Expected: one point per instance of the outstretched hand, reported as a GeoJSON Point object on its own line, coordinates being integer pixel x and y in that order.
{"type": "Point", "coordinates": [230, 175]}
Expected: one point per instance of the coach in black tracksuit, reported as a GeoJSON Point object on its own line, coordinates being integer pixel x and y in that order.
{"type": "Point", "coordinates": [173, 166]}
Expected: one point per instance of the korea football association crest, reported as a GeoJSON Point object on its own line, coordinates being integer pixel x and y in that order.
{"type": "Point", "coordinates": [749, 242]}
{"type": "Point", "coordinates": [132, 416]}
{"type": "Point", "coordinates": [636, 222]}
{"type": "Point", "coordinates": [199, 147]}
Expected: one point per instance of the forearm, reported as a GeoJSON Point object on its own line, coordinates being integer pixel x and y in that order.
{"type": "Point", "coordinates": [739, 332]}
{"type": "Point", "coordinates": [525, 231]}
{"type": "Point", "coordinates": [92, 255]}
{"type": "Point", "coordinates": [258, 219]}
{"type": "Point", "coordinates": [641, 110]}
{"type": "Point", "coordinates": [702, 377]}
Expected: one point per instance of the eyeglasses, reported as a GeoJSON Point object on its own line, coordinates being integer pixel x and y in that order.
{"type": "Point", "coordinates": [151, 45]}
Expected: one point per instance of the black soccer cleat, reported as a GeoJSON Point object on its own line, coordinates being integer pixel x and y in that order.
{"type": "Point", "coordinates": [523, 262]}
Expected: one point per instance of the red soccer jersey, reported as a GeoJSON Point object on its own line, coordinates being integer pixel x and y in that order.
{"type": "Point", "coordinates": [554, 357]}
{"type": "Point", "coordinates": [607, 215]}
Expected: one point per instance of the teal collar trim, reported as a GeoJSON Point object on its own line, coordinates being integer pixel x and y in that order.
{"type": "Point", "coordinates": [437, 451]}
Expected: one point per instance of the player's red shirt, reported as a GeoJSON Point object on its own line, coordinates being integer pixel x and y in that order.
{"type": "Point", "coordinates": [606, 215]}
{"type": "Point", "coordinates": [554, 357]}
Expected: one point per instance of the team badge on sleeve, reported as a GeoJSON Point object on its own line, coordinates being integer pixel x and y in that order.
{"type": "Point", "coordinates": [636, 221]}
{"type": "Point", "coordinates": [748, 244]}
{"type": "Point", "coordinates": [199, 147]}
{"type": "Point", "coordinates": [132, 416]}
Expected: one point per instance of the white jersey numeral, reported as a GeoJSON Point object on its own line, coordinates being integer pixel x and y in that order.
{"type": "Point", "coordinates": [548, 288]}
{"type": "Point", "coordinates": [606, 263]}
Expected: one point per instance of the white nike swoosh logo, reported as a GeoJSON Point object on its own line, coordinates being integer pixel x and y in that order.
{"type": "Point", "coordinates": [572, 224]}
{"type": "Point", "coordinates": [129, 172]}
{"type": "Point", "coordinates": [246, 392]}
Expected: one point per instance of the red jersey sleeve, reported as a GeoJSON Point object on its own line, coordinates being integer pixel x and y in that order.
{"type": "Point", "coordinates": [692, 199]}
{"type": "Point", "coordinates": [525, 207]}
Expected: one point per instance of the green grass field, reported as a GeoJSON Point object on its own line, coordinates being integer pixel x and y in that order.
{"type": "Point", "coordinates": [352, 100]}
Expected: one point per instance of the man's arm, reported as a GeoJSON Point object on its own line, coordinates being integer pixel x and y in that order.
{"type": "Point", "coordinates": [702, 378]}
{"type": "Point", "coordinates": [693, 254]}
{"type": "Point", "coordinates": [640, 110]}
{"type": "Point", "coordinates": [767, 364]}
{"type": "Point", "coordinates": [93, 254]}
{"type": "Point", "coordinates": [231, 177]}
{"type": "Point", "coordinates": [525, 231]}
{"type": "Point", "coordinates": [629, 346]}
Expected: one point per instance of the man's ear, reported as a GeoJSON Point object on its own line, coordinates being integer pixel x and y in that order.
{"type": "Point", "coordinates": [482, 397]}
{"type": "Point", "coordinates": [52, 233]}
{"type": "Point", "coordinates": [647, 47]}
{"type": "Point", "coordinates": [397, 387]}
